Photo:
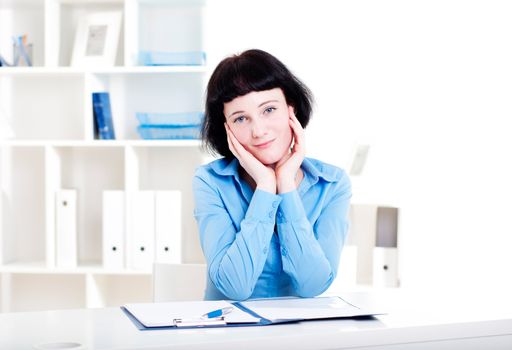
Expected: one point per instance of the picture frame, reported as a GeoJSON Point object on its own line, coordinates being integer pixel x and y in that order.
{"type": "Point", "coordinates": [97, 39]}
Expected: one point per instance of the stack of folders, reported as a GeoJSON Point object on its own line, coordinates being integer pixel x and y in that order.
{"type": "Point", "coordinates": [162, 126]}
{"type": "Point", "coordinates": [256, 312]}
{"type": "Point", "coordinates": [147, 223]}
{"type": "Point", "coordinates": [66, 255]}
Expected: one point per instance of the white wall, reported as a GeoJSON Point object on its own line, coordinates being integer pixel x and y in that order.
{"type": "Point", "coordinates": [429, 85]}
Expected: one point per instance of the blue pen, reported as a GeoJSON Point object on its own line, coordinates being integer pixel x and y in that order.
{"type": "Point", "coordinates": [218, 313]}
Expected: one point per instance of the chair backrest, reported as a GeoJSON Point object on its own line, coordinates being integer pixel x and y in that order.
{"type": "Point", "coordinates": [178, 282]}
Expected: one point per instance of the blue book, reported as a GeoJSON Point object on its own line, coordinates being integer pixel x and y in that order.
{"type": "Point", "coordinates": [103, 116]}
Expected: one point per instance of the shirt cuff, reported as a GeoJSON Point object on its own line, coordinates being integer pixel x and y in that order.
{"type": "Point", "coordinates": [291, 207]}
{"type": "Point", "coordinates": [263, 206]}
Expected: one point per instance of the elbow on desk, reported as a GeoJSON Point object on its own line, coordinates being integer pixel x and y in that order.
{"type": "Point", "coordinates": [312, 289]}
{"type": "Point", "coordinates": [237, 294]}
{"type": "Point", "coordinates": [233, 291]}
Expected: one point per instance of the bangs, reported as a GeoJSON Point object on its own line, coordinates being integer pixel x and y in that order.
{"type": "Point", "coordinates": [243, 77]}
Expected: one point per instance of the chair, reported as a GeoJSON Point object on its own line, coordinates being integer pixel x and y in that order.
{"type": "Point", "coordinates": [178, 282]}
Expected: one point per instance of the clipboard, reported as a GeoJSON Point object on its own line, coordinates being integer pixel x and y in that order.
{"type": "Point", "coordinates": [255, 312]}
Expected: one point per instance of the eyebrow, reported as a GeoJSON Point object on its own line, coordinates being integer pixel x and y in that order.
{"type": "Point", "coordinates": [261, 104]}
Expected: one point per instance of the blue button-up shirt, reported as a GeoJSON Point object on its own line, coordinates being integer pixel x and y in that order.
{"type": "Point", "coordinates": [259, 244]}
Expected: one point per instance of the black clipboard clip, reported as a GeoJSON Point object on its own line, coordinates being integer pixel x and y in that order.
{"type": "Point", "coordinates": [198, 322]}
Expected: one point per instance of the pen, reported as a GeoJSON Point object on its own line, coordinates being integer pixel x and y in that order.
{"type": "Point", "coordinates": [218, 313]}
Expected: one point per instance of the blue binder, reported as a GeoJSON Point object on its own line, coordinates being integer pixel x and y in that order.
{"type": "Point", "coordinates": [103, 116]}
{"type": "Point", "coordinates": [255, 312]}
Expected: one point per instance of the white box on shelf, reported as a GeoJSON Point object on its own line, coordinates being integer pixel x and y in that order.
{"type": "Point", "coordinates": [142, 220]}
{"type": "Point", "coordinates": [113, 229]}
{"type": "Point", "coordinates": [66, 228]}
{"type": "Point", "coordinates": [168, 226]}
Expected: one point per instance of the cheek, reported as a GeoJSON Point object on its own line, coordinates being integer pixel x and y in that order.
{"type": "Point", "coordinates": [242, 135]}
{"type": "Point", "coordinates": [287, 134]}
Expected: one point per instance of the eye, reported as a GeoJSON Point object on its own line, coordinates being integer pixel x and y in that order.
{"type": "Point", "coordinates": [239, 119]}
{"type": "Point", "coordinates": [270, 109]}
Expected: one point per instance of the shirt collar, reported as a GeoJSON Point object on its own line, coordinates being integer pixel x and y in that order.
{"type": "Point", "coordinates": [225, 167]}
{"type": "Point", "coordinates": [312, 167]}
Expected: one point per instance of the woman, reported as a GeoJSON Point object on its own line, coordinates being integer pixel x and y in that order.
{"type": "Point", "coordinates": [271, 222]}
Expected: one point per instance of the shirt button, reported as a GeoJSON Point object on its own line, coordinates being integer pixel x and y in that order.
{"type": "Point", "coordinates": [279, 214]}
{"type": "Point", "coordinates": [275, 204]}
{"type": "Point", "coordinates": [265, 250]}
{"type": "Point", "coordinates": [270, 215]}
{"type": "Point", "coordinates": [283, 251]}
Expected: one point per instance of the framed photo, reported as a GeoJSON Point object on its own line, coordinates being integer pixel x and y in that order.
{"type": "Point", "coordinates": [96, 39]}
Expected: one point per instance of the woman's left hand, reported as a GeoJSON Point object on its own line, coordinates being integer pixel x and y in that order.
{"type": "Point", "coordinates": [287, 169]}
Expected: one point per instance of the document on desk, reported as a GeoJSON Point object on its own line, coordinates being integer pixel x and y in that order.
{"type": "Point", "coordinates": [185, 313]}
{"type": "Point", "coordinates": [302, 308]}
{"type": "Point", "coordinates": [255, 312]}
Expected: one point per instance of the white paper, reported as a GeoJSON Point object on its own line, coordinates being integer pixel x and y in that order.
{"type": "Point", "coordinates": [302, 308]}
{"type": "Point", "coordinates": [164, 314]}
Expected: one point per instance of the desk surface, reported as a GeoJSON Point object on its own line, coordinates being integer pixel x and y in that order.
{"type": "Point", "coordinates": [411, 323]}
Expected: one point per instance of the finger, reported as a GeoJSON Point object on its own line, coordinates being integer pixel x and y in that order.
{"type": "Point", "coordinates": [231, 146]}
{"type": "Point", "coordinates": [298, 132]}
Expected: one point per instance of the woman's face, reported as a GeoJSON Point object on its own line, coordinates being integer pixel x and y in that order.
{"type": "Point", "coordinates": [259, 121]}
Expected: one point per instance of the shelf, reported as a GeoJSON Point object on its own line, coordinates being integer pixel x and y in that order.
{"type": "Point", "coordinates": [63, 71]}
{"type": "Point", "coordinates": [101, 143]}
{"type": "Point", "coordinates": [47, 145]}
{"type": "Point", "coordinates": [39, 267]}
{"type": "Point", "coordinates": [80, 2]}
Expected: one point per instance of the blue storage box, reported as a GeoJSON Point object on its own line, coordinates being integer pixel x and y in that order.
{"type": "Point", "coordinates": [169, 58]}
{"type": "Point", "coordinates": [170, 119]}
{"type": "Point", "coordinates": [169, 132]}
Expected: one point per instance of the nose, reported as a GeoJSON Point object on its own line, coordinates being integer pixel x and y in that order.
{"type": "Point", "coordinates": [258, 129]}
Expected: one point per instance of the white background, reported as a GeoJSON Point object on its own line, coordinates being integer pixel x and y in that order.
{"type": "Point", "coordinates": [428, 84]}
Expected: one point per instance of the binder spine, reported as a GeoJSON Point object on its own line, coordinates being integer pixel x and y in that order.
{"type": "Point", "coordinates": [113, 229]}
{"type": "Point", "coordinates": [103, 115]}
{"type": "Point", "coordinates": [168, 226]}
{"type": "Point", "coordinates": [142, 217]}
{"type": "Point", "coordinates": [66, 229]}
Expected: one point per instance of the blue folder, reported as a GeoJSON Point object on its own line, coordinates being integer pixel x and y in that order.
{"type": "Point", "coordinates": [263, 312]}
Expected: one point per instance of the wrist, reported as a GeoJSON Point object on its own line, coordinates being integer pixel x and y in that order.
{"type": "Point", "coordinates": [286, 186]}
{"type": "Point", "coordinates": [267, 186]}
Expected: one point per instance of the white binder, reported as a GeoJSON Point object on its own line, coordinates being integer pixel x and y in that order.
{"type": "Point", "coordinates": [385, 267]}
{"type": "Point", "coordinates": [142, 220]}
{"type": "Point", "coordinates": [66, 228]}
{"type": "Point", "coordinates": [113, 229]}
{"type": "Point", "coordinates": [168, 226]}
{"type": "Point", "coordinates": [375, 229]}
{"type": "Point", "coordinates": [385, 253]}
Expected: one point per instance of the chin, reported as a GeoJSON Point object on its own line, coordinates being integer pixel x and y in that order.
{"type": "Point", "coordinates": [269, 159]}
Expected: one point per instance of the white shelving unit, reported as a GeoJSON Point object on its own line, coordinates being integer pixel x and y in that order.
{"type": "Point", "coordinates": [48, 144]}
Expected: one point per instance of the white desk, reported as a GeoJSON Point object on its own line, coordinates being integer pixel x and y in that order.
{"type": "Point", "coordinates": [410, 324]}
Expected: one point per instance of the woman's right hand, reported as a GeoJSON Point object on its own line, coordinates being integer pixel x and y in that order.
{"type": "Point", "coordinates": [263, 175]}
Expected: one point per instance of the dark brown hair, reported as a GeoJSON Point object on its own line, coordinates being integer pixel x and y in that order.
{"type": "Point", "coordinates": [238, 75]}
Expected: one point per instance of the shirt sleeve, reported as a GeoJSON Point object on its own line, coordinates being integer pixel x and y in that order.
{"type": "Point", "coordinates": [235, 259]}
{"type": "Point", "coordinates": [311, 253]}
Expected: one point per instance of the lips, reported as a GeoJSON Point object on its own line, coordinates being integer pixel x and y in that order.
{"type": "Point", "coordinates": [264, 144]}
